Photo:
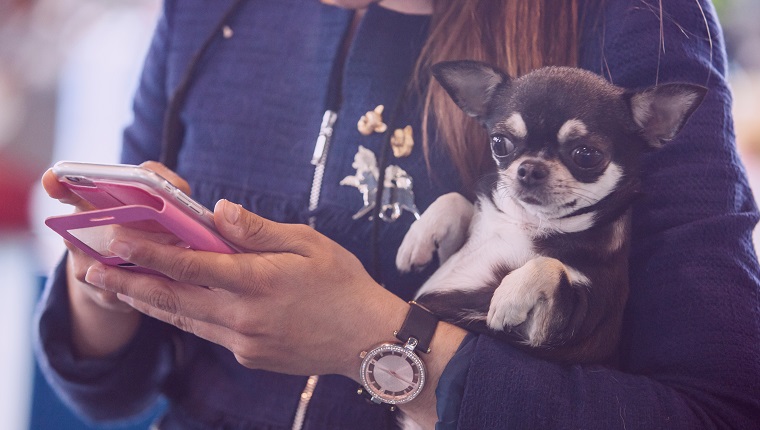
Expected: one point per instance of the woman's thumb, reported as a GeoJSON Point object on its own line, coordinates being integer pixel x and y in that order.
{"type": "Point", "coordinates": [252, 232]}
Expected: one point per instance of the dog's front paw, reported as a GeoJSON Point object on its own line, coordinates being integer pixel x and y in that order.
{"type": "Point", "coordinates": [532, 302]}
{"type": "Point", "coordinates": [514, 300]}
{"type": "Point", "coordinates": [417, 248]}
{"type": "Point", "coordinates": [442, 228]}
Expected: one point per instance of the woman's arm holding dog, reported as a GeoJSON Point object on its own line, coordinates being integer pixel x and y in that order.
{"type": "Point", "coordinates": [691, 335]}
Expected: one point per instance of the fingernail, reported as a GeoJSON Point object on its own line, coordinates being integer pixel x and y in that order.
{"type": "Point", "coordinates": [120, 248]}
{"type": "Point", "coordinates": [95, 275]}
{"type": "Point", "coordinates": [231, 212]}
{"type": "Point", "coordinates": [126, 299]}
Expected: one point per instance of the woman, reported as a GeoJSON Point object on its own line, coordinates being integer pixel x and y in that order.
{"type": "Point", "coordinates": [238, 90]}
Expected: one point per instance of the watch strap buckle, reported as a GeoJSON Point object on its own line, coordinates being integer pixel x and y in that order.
{"type": "Point", "coordinates": [420, 324]}
{"type": "Point", "coordinates": [411, 344]}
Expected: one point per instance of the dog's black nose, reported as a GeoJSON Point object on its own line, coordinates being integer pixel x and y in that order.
{"type": "Point", "coordinates": [532, 172]}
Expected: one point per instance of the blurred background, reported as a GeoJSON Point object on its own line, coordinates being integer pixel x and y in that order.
{"type": "Point", "coordinates": [68, 69]}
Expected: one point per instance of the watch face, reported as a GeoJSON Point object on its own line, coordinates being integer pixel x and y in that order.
{"type": "Point", "coordinates": [392, 374]}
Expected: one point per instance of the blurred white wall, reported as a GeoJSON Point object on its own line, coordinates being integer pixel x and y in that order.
{"type": "Point", "coordinates": [96, 85]}
{"type": "Point", "coordinates": [740, 24]}
{"type": "Point", "coordinates": [18, 291]}
{"type": "Point", "coordinates": [88, 53]}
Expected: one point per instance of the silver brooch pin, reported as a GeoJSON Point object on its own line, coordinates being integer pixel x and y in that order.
{"type": "Point", "coordinates": [398, 195]}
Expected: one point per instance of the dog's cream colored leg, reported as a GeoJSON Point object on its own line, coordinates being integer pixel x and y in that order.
{"type": "Point", "coordinates": [442, 227]}
{"type": "Point", "coordinates": [530, 295]}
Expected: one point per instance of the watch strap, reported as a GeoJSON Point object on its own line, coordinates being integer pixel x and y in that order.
{"type": "Point", "coordinates": [420, 324]}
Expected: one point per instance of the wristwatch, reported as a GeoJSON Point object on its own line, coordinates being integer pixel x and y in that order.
{"type": "Point", "coordinates": [393, 373]}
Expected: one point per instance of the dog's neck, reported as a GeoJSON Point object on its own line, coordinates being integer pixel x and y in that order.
{"type": "Point", "coordinates": [535, 224]}
{"type": "Point", "coordinates": [614, 205]}
{"type": "Point", "coordinates": [538, 224]}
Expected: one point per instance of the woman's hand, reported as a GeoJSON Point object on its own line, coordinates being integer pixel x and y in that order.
{"type": "Point", "coordinates": [296, 303]}
{"type": "Point", "coordinates": [100, 322]}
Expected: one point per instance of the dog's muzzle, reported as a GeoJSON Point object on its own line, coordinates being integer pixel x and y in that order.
{"type": "Point", "coordinates": [532, 173]}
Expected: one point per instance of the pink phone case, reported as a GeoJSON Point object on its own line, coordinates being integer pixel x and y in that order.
{"type": "Point", "coordinates": [135, 208]}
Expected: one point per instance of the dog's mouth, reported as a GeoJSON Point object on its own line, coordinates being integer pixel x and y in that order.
{"type": "Point", "coordinates": [544, 201]}
{"type": "Point", "coordinates": [531, 200]}
{"type": "Point", "coordinates": [534, 196]}
{"type": "Point", "coordinates": [548, 202]}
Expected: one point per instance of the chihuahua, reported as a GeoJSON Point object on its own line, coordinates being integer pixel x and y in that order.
{"type": "Point", "coordinates": [541, 258]}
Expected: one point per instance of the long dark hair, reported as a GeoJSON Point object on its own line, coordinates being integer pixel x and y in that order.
{"type": "Point", "coordinates": [516, 35]}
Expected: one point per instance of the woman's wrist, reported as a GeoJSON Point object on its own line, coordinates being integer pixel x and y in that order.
{"type": "Point", "coordinates": [382, 317]}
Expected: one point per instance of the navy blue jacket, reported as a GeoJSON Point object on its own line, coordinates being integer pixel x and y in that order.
{"type": "Point", "coordinates": [691, 343]}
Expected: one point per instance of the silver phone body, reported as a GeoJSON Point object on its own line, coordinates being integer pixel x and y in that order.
{"type": "Point", "coordinates": [78, 173]}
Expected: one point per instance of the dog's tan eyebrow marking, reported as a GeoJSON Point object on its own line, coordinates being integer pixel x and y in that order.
{"type": "Point", "coordinates": [571, 129]}
{"type": "Point", "coordinates": [515, 125]}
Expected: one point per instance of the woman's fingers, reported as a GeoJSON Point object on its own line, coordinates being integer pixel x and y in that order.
{"type": "Point", "coordinates": [78, 262]}
{"type": "Point", "coordinates": [250, 231]}
{"type": "Point", "coordinates": [61, 193]}
{"type": "Point", "coordinates": [247, 347]}
{"type": "Point", "coordinates": [214, 315]}
{"type": "Point", "coordinates": [234, 272]}
{"type": "Point", "coordinates": [168, 174]}
{"type": "Point", "coordinates": [188, 307]}
{"type": "Point", "coordinates": [187, 265]}
{"type": "Point", "coordinates": [212, 332]}
{"type": "Point", "coordinates": [180, 304]}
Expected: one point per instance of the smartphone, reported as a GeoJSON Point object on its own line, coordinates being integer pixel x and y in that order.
{"type": "Point", "coordinates": [132, 197]}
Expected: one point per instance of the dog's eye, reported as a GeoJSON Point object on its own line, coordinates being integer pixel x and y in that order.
{"type": "Point", "coordinates": [501, 146]}
{"type": "Point", "coordinates": [587, 157]}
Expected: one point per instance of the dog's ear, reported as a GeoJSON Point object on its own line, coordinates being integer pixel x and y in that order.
{"type": "Point", "coordinates": [471, 84]}
{"type": "Point", "coordinates": [661, 111]}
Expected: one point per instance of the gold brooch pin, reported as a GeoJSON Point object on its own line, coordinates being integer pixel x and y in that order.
{"type": "Point", "coordinates": [372, 122]}
{"type": "Point", "coordinates": [402, 142]}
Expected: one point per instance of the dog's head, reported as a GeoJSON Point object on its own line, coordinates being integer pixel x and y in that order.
{"type": "Point", "coordinates": [563, 138]}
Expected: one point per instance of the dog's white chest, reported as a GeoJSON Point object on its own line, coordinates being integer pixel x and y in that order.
{"type": "Point", "coordinates": [496, 240]}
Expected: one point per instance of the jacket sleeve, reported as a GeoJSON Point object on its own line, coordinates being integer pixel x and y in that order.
{"type": "Point", "coordinates": [142, 138]}
{"type": "Point", "coordinates": [128, 381]}
{"type": "Point", "coordinates": [691, 337]}
{"type": "Point", "coordinates": [115, 387]}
